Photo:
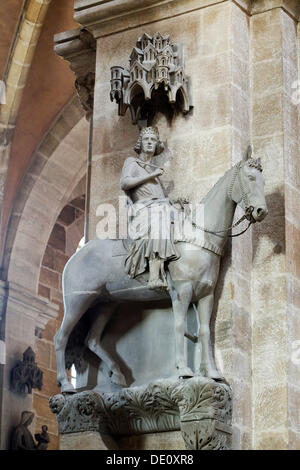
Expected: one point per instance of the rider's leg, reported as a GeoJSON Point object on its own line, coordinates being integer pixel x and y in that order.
{"type": "Point", "coordinates": [156, 265]}
{"type": "Point", "coordinates": [163, 273]}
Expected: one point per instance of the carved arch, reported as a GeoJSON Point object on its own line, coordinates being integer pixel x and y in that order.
{"type": "Point", "coordinates": [136, 88]}
{"type": "Point", "coordinates": [57, 167]}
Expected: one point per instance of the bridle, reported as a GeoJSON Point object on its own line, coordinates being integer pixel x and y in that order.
{"type": "Point", "coordinates": [248, 209]}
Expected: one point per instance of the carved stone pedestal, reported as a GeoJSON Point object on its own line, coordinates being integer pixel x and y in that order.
{"type": "Point", "coordinates": [199, 407]}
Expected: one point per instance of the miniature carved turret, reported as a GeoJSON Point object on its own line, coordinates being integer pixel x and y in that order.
{"type": "Point", "coordinates": [153, 62]}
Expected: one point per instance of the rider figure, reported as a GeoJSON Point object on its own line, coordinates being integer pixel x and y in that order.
{"type": "Point", "coordinates": [149, 212]}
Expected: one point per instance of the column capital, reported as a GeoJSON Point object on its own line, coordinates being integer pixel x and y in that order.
{"type": "Point", "coordinates": [79, 48]}
{"type": "Point", "coordinates": [290, 6]}
{"type": "Point", "coordinates": [106, 17]}
{"type": "Point", "coordinates": [110, 16]}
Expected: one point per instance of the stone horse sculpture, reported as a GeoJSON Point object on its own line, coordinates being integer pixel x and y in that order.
{"type": "Point", "coordinates": [93, 275]}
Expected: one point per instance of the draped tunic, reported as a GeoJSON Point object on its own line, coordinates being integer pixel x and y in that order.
{"type": "Point", "coordinates": [149, 219]}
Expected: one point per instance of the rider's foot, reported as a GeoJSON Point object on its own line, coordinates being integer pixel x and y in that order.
{"type": "Point", "coordinates": [157, 284]}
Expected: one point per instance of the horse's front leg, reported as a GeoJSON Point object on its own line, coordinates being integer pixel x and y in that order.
{"type": "Point", "coordinates": [207, 367]}
{"type": "Point", "coordinates": [181, 300]}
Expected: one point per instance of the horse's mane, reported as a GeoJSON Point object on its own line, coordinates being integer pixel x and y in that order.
{"type": "Point", "coordinates": [251, 162]}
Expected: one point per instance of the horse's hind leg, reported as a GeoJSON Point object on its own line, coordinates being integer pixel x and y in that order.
{"type": "Point", "coordinates": [75, 305]}
{"type": "Point", "coordinates": [60, 343]}
{"type": "Point", "coordinates": [93, 342]}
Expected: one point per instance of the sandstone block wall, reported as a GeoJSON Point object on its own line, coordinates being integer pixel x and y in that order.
{"type": "Point", "coordinates": [243, 64]}
{"type": "Point", "coordinates": [62, 243]}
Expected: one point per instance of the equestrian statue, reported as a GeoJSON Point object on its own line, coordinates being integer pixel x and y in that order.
{"type": "Point", "coordinates": [179, 262]}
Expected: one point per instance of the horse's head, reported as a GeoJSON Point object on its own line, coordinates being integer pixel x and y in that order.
{"type": "Point", "coordinates": [247, 187]}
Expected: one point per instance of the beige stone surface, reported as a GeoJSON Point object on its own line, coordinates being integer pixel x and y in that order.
{"type": "Point", "coordinates": [242, 412]}
{"type": "Point", "coordinates": [175, 8]}
{"type": "Point", "coordinates": [292, 6]}
{"type": "Point", "coordinates": [266, 38]}
{"type": "Point", "coordinates": [267, 76]}
{"type": "Point", "coordinates": [43, 353]}
{"type": "Point", "coordinates": [294, 440]}
{"type": "Point", "coordinates": [270, 413]}
{"type": "Point", "coordinates": [275, 326]}
{"type": "Point", "coordinates": [271, 440]}
{"type": "Point", "coordinates": [87, 440]}
{"type": "Point", "coordinates": [154, 441]}
{"type": "Point", "coordinates": [242, 69]}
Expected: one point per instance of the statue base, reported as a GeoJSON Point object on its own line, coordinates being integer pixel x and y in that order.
{"type": "Point", "coordinates": [92, 440]}
{"type": "Point", "coordinates": [198, 407]}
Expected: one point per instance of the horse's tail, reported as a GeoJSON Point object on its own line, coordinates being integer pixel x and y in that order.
{"type": "Point", "coordinates": [76, 303]}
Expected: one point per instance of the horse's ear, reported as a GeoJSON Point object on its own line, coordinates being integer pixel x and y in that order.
{"type": "Point", "coordinates": [248, 153]}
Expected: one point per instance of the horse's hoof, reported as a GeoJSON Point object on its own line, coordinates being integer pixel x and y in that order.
{"type": "Point", "coordinates": [118, 378]}
{"type": "Point", "coordinates": [185, 373]}
{"type": "Point", "coordinates": [67, 388]}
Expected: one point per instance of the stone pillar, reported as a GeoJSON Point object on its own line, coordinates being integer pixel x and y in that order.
{"type": "Point", "coordinates": [203, 144]}
{"type": "Point", "coordinates": [26, 317]}
{"type": "Point", "coordinates": [275, 270]}
{"type": "Point", "coordinates": [238, 332]}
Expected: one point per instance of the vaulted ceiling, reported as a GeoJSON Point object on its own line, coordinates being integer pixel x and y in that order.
{"type": "Point", "coordinates": [42, 83]}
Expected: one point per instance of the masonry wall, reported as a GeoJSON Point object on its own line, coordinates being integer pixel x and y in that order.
{"type": "Point", "coordinates": [203, 145]}
{"type": "Point", "coordinates": [63, 242]}
{"type": "Point", "coordinates": [274, 274]}
{"type": "Point", "coordinates": [242, 60]}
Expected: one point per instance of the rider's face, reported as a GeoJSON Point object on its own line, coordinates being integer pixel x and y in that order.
{"type": "Point", "coordinates": [149, 142]}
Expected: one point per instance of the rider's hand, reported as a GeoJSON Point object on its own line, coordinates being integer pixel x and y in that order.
{"type": "Point", "coordinates": [157, 172]}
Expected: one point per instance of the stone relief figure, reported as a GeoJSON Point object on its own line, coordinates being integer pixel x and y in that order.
{"type": "Point", "coordinates": [42, 438]}
{"type": "Point", "coordinates": [193, 275]}
{"type": "Point", "coordinates": [26, 375]}
{"type": "Point", "coordinates": [150, 226]}
{"type": "Point", "coordinates": [22, 438]}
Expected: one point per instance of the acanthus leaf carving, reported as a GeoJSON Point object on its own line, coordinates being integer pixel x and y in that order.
{"type": "Point", "coordinates": [192, 406]}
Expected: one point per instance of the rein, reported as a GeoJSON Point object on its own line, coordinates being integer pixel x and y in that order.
{"type": "Point", "coordinates": [248, 211]}
{"type": "Point", "coordinates": [245, 216]}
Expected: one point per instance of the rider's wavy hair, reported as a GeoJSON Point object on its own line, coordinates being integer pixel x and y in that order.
{"type": "Point", "coordinates": [149, 130]}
